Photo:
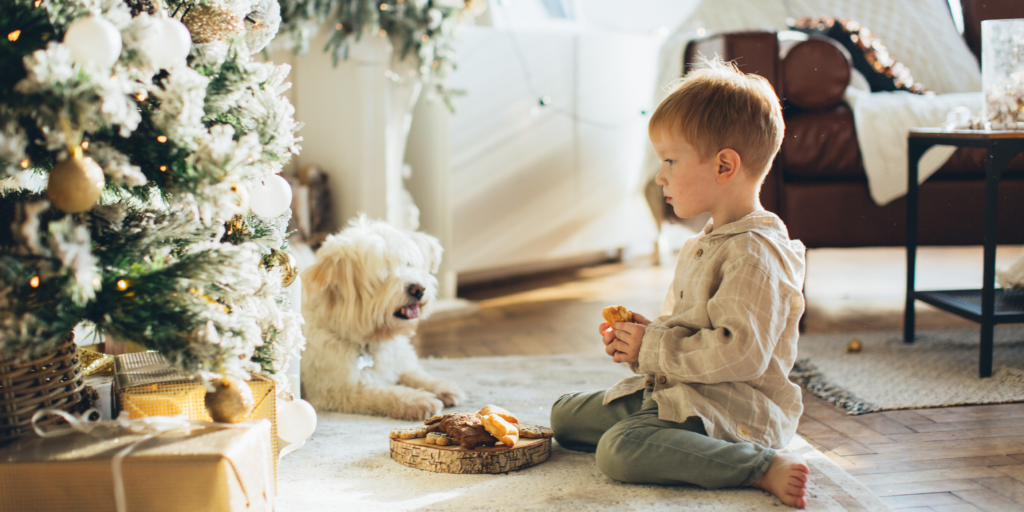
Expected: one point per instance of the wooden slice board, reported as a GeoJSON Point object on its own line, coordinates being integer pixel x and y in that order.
{"type": "Point", "coordinates": [416, 453]}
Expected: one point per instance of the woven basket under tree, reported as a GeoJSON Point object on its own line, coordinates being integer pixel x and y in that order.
{"type": "Point", "coordinates": [51, 381]}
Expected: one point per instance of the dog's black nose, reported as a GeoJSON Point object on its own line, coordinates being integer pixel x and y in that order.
{"type": "Point", "coordinates": [416, 291]}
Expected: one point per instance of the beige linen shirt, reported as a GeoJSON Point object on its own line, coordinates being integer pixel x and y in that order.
{"type": "Point", "coordinates": [727, 338]}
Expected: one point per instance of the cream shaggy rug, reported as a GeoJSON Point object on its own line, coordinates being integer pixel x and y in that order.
{"type": "Point", "coordinates": [940, 369]}
{"type": "Point", "coordinates": [346, 465]}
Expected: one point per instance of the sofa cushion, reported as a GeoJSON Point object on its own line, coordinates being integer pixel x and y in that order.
{"type": "Point", "coordinates": [815, 72]}
{"type": "Point", "coordinates": [821, 145]}
{"type": "Point", "coordinates": [868, 53]}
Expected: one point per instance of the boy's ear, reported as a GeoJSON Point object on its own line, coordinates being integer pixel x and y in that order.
{"type": "Point", "coordinates": [728, 161]}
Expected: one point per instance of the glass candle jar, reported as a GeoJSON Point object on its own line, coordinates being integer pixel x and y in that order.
{"type": "Point", "coordinates": [1002, 74]}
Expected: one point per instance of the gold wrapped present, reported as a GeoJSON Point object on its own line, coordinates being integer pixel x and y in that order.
{"type": "Point", "coordinates": [145, 386]}
{"type": "Point", "coordinates": [110, 467]}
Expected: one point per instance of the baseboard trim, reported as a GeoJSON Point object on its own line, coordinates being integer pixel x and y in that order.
{"type": "Point", "coordinates": [495, 275]}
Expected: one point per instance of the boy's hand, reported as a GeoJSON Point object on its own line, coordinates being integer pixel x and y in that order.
{"type": "Point", "coordinates": [625, 347]}
{"type": "Point", "coordinates": [623, 341]}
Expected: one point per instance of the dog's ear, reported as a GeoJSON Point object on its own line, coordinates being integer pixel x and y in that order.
{"type": "Point", "coordinates": [323, 282]}
{"type": "Point", "coordinates": [432, 250]}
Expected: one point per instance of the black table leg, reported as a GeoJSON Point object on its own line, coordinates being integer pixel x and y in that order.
{"type": "Point", "coordinates": [914, 152]}
{"type": "Point", "coordinates": [998, 155]}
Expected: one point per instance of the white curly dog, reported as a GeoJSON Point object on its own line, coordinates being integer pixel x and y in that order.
{"type": "Point", "coordinates": [362, 300]}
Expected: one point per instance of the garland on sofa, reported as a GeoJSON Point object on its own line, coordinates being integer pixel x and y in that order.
{"type": "Point", "coordinates": [882, 71]}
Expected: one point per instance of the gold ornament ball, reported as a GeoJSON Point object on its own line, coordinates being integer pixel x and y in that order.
{"type": "Point", "coordinates": [208, 23]}
{"type": "Point", "coordinates": [231, 401]}
{"type": "Point", "coordinates": [854, 346]}
{"type": "Point", "coordinates": [284, 261]}
{"type": "Point", "coordinates": [75, 183]}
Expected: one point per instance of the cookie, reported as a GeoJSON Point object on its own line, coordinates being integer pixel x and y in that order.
{"type": "Point", "coordinates": [614, 314]}
{"type": "Point", "coordinates": [439, 439]}
{"type": "Point", "coordinates": [535, 431]}
{"type": "Point", "coordinates": [408, 432]}
{"type": "Point", "coordinates": [434, 419]}
{"type": "Point", "coordinates": [494, 409]}
{"type": "Point", "coordinates": [500, 428]}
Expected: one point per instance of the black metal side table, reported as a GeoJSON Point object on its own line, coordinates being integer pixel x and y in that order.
{"type": "Point", "coordinates": [987, 306]}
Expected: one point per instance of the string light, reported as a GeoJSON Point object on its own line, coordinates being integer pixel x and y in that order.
{"type": "Point", "coordinates": [122, 284]}
{"type": "Point", "coordinates": [95, 281]}
{"type": "Point", "coordinates": [141, 96]}
{"type": "Point", "coordinates": [37, 2]}
{"type": "Point", "coordinates": [13, 36]}
{"type": "Point", "coordinates": [383, 7]}
{"type": "Point", "coordinates": [34, 282]}
{"type": "Point", "coordinates": [24, 164]}
{"type": "Point", "coordinates": [425, 38]}
{"type": "Point", "coordinates": [161, 139]}
{"type": "Point", "coordinates": [383, 32]}
{"type": "Point", "coordinates": [337, 27]}
{"type": "Point", "coordinates": [85, 144]}
{"type": "Point", "coordinates": [163, 168]}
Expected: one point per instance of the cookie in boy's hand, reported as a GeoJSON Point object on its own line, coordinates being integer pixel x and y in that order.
{"type": "Point", "coordinates": [614, 314]}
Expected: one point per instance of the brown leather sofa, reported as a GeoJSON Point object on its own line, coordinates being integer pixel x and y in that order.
{"type": "Point", "coordinates": [817, 183]}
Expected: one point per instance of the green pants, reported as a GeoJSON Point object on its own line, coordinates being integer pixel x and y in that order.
{"type": "Point", "coordinates": [634, 446]}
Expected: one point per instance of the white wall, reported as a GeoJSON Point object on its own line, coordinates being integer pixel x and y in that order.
{"type": "Point", "coordinates": [531, 184]}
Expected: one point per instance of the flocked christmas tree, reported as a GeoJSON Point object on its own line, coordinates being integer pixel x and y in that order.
{"type": "Point", "coordinates": [132, 134]}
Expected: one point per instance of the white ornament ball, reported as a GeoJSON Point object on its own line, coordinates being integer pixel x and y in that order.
{"type": "Point", "coordinates": [270, 197]}
{"type": "Point", "coordinates": [170, 43]}
{"type": "Point", "coordinates": [93, 39]}
{"type": "Point", "coordinates": [296, 420]}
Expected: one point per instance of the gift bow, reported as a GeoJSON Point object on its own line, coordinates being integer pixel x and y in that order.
{"type": "Point", "coordinates": [149, 427]}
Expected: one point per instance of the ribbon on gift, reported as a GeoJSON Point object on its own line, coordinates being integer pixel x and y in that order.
{"type": "Point", "coordinates": [149, 428]}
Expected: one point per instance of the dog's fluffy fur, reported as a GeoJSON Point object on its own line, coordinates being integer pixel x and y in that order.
{"type": "Point", "coordinates": [366, 293]}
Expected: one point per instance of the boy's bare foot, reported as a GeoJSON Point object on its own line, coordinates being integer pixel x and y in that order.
{"type": "Point", "coordinates": [786, 478]}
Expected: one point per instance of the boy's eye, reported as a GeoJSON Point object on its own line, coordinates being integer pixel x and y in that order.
{"type": "Point", "coordinates": [670, 162]}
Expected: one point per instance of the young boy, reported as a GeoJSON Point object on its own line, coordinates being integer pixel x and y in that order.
{"type": "Point", "coordinates": [712, 402]}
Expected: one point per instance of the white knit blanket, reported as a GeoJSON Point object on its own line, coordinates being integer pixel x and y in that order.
{"type": "Point", "coordinates": [883, 120]}
{"type": "Point", "coordinates": [918, 33]}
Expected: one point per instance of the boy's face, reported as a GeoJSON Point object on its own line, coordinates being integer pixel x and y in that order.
{"type": "Point", "coordinates": [688, 181]}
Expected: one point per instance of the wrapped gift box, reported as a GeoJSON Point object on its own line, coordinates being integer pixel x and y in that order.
{"type": "Point", "coordinates": [145, 385]}
{"type": "Point", "coordinates": [210, 469]}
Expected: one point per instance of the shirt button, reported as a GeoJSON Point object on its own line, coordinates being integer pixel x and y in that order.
{"type": "Point", "coordinates": [662, 379]}
{"type": "Point", "coordinates": [700, 252]}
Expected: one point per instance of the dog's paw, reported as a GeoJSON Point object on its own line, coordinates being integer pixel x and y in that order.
{"type": "Point", "coordinates": [419, 407]}
{"type": "Point", "coordinates": [450, 394]}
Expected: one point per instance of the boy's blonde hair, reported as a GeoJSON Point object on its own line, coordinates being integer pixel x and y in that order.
{"type": "Point", "coordinates": [717, 106]}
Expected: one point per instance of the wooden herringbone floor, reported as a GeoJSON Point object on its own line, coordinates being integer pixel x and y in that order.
{"type": "Point", "coordinates": [952, 459]}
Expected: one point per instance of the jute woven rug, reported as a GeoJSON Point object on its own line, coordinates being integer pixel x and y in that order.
{"type": "Point", "coordinates": [940, 369]}
{"type": "Point", "coordinates": [347, 465]}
